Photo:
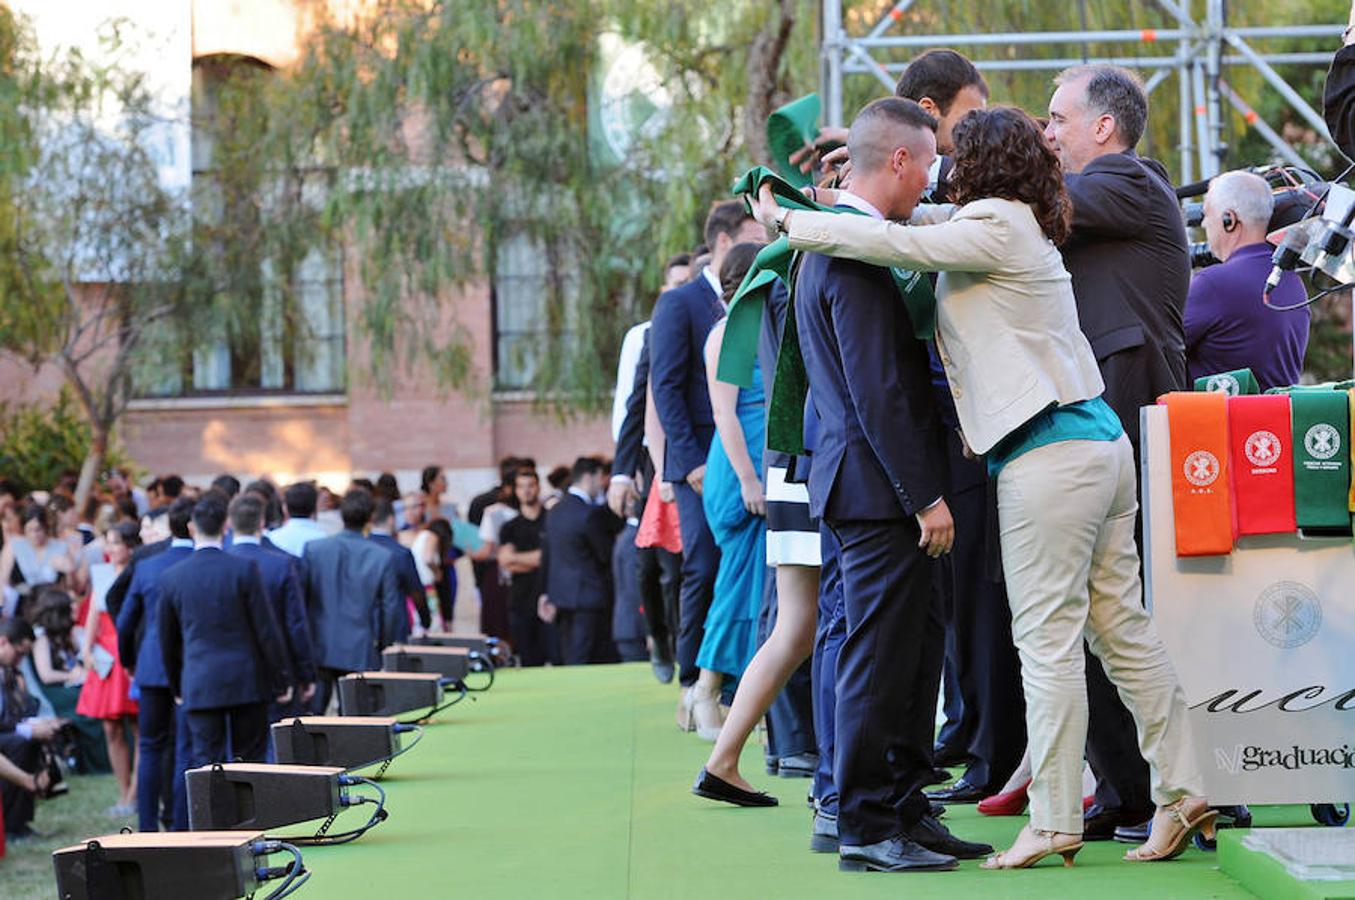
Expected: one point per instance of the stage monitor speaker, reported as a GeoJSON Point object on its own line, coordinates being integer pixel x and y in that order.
{"type": "Point", "coordinates": [388, 693]}
{"type": "Point", "coordinates": [449, 662]}
{"type": "Point", "coordinates": [257, 796]}
{"type": "Point", "coordinates": [204, 865]}
{"type": "Point", "coordinates": [347, 742]}
{"type": "Point", "coordinates": [480, 643]}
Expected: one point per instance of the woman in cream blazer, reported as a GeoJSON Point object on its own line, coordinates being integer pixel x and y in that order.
{"type": "Point", "coordinates": [1028, 393]}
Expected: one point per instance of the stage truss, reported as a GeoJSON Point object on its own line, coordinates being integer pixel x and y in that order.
{"type": "Point", "coordinates": [1201, 50]}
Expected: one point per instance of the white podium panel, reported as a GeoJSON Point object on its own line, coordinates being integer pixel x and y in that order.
{"type": "Point", "coordinates": [1264, 643]}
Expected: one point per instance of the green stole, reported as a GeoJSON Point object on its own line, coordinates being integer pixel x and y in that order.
{"type": "Point", "coordinates": [1320, 420]}
{"type": "Point", "coordinates": [790, 386]}
{"type": "Point", "coordinates": [1238, 381]}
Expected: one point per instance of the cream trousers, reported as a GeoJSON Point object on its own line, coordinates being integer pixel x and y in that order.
{"type": "Point", "coordinates": [1067, 517]}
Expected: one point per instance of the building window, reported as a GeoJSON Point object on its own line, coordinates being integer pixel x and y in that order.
{"type": "Point", "coordinates": [296, 341]}
{"type": "Point", "coordinates": [521, 292]}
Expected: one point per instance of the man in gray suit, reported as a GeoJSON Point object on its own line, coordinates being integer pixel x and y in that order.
{"type": "Point", "coordinates": [352, 599]}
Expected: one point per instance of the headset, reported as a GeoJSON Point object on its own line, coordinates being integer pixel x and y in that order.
{"type": "Point", "coordinates": [1230, 221]}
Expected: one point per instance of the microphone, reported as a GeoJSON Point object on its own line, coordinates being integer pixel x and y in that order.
{"type": "Point", "coordinates": [1334, 241]}
{"type": "Point", "coordinates": [1286, 257]}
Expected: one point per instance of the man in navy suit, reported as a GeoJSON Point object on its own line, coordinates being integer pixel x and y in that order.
{"type": "Point", "coordinates": [877, 480]}
{"type": "Point", "coordinates": [222, 647]}
{"type": "Point", "coordinates": [352, 600]}
{"type": "Point", "coordinates": [576, 555]}
{"type": "Point", "coordinates": [407, 581]}
{"type": "Point", "coordinates": [279, 571]}
{"type": "Point", "coordinates": [677, 372]}
{"type": "Point", "coordinates": [157, 716]}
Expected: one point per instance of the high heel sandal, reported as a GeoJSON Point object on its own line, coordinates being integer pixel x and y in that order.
{"type": "Point", "coordinates": [1176, 829]}
{"type": "Point", "coordinates": [1068, 849]}
{"type": "Point", "coordinates": [706, 717]}
{"type": "Point", "coordinates": [685, 721]}
{"type": "Point", "coordinates": [1008, 803]}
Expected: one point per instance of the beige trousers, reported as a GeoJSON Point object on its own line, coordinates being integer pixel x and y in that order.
{"type": "Point", "coordinates": [1067, 518]}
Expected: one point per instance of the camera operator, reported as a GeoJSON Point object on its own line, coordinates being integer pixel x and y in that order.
{"type": "Point", "coordinates": [21, 735]}
{"type": "Point", "coordinates": [1338, 99]}
{"type": "Point", "coordinates": [1227, 325]}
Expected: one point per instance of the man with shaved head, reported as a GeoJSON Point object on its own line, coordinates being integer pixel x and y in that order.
{"type": "Point", "coordinates": [877, 480]}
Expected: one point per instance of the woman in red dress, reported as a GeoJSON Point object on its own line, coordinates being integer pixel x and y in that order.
{"type": "Point", "coordinates": [106, 693]}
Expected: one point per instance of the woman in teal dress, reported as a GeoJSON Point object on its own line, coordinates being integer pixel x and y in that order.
{"type": "Point", "coordinates": [736, 510]}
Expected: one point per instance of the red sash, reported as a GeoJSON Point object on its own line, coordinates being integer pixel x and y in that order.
{"type": "Point", "coordinates": [1261, 435]}
{"type": "Point", "coordinates": [1201, 502]}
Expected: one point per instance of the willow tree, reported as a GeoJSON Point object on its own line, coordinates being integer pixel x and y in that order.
{"type": "Point", "coordinates": [415, 138]}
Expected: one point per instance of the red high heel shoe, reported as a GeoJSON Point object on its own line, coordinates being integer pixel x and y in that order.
{"type": "Point", "coordinates": [1010, 803]}
{"type": "Point", "coordinates": [1013, 802]}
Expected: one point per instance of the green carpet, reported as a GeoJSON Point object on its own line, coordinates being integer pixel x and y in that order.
{"type": "Point", "coordinates": [574, 783]}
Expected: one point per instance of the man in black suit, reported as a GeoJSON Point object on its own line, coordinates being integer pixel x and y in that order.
{"type": "Point", "coordinates": [407, 581]}
{"type": "Point", "coordinates": [1130, 264]}
{"type": "Point", "coordinates": [223, 651]}
{"type": "Point", "coordinates": [677, 371]}
{"type": "Point", "coordinates": [576, 556]}
{"type": "Point", "coordinates": [280, 574]}
{"type": "Point", "coordinates": [876, 482]}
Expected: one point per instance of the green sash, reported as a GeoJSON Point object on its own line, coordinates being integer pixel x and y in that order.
{"type": "Point", "coordinates": [788, 130]}
{"type": "Point", "coordinates": [1239, 381]}
{"type": "Point", "coordinates": [1321, 425]}
{"type": "Point", "coordinates": [738, 354]}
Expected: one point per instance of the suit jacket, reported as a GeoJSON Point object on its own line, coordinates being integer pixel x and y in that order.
{"type": "Point", "coordinates": [677, 372]}
{"type": "Point", "coordinates": [140, 615]}
{"type": "Point", "coordinates": [576, 554]}
{"type": "Point", "coordinates": [407, 580]}
{"type": "Point", "coordinates": [1130, 264]}
{"type": "Point", "coordinates": [878, 453]}
{"type": "Point", "coordinates": [280, 574]}
{"type": "Point", "coordinates": [117, 591]}
{"type": "Point", "coordinates": [218, 632]}
{"type": "Point", "coordinates": [352, 599]}
{"type": "Point", "coordinates": [1338, 100]}
{"type": "Point", "coordinates": [630, 442]}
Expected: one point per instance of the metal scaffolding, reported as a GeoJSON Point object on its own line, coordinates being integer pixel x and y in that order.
{"type": "Point", "coordinates": [1201, 50]}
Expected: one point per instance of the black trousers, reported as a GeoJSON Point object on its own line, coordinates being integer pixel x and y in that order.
{"type": "Point", "coordinates": [228, 733]}
{"type": "Point", "coordinates": [324, 689]}
{"type": "Point", "coordinates": [533, 639]}
{"type": "Point", "coordinates": [987, 669]}
{"type": "Point", "coordinates": [660, 577]}
{"type": "Point", "coordinates": [17, 802]}
{"type": "Point", "coordinates": [884, 713]}
{"type": "Point", "coordinates": [585, 636]}
{"type": "Point", "coordinates": [700, 561]}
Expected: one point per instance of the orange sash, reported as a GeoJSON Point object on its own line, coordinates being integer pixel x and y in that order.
{"type": "Point", "coordinates": [1201, 501]}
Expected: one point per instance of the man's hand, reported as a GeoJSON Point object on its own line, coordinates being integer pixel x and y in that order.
{"type": "Point", "coordinates": [45, 729]}
{"type": "Point", "coordinates": [666, 493]}
{"type": "Point", "coordinates": [620, 492]}
{"type": "Point", "coordinates": [754, 498]}
{"type": "Point", "coordinates": [938, 529]}
{"type": "Point", "coordinates": [697, 477]}
{"type": "Point", "coordinates": [810, 154]}
{"type": "Point", "coordinates": [545, 610]}
{"type": "Point", "coordinates": [308, 692]}
{"type": "Point", "coordinates": [765, 210]}
{"type": "Point", "coordinates": [285, 696]}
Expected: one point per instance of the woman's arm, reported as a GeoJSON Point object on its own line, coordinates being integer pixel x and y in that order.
{"type": "Point", "coordinates": [654, 436]}
{"type": "Point", "coordinates": [42, 661]}
{"type": "Point", "coordinates": [87, 639]}
{"type": "Point", "coordinates": [6, 563]}
{"type": "Point", "coordinates": [724, 401]}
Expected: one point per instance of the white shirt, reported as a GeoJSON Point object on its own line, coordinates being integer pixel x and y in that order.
{"type": "Point", "coordinates": [631, 346]}
{"type": "Point", "coordinates": [713, 280]}
{"type": "Point", "coordinates": [495, 516]}
{"type": "Point", "coordinates": [246, 539]}
{"type": "Point", "coordinates": [934, 174]}
{"type": "Point", "coordinates": [582, 495]}
{"type": "Point", "coordinates": [294, 534]}
{"type": "Point", "coordinates": [847, 198]}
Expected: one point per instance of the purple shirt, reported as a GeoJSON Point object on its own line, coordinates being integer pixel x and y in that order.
{"type": "Point", "coordinates": [1229, 327]}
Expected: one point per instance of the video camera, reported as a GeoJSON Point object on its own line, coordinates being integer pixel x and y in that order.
{"type": "Point", "coordinates": [1295, 189]}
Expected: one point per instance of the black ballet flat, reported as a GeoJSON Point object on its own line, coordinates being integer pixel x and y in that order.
{"type": "Point", "coordinates": [713, 788]}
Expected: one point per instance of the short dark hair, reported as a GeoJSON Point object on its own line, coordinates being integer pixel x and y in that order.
{"type": "Point", "coordinates": [1113, 91]}
{"type": "Point", "coordinates": [525, 472]}
{"type": "Point", "coordinates": [356, 508]}
{"type": "Point", "coordinates": [129, 532]}
{"type": "Point", "coordinates": [227, 484]}
{"type": "Point", "coordinates": [171, 486]}
{"type": "Point", "coordinates": [725, 217]}
{"type": "Point", "coordinates": [364, 483]}
{"type": "Point", "coordinates": [387, 488]}
{"type": "Point", "coordinates": [940, 75]}
{"type": "Point", "coordinates": [179, 514]}
{"type": "Point", "coordinates": [300, 499]}
{"type": "Point", "coordinates": [382, 511]}
{"type": "Point", "coordinates": [558, 477]}
{"type": "Point", "coordinates": [246, 513]}
{"type": "Point", "coordinates": [429, 475]}
{"type": "Point", "coordinates": [209, 514]}
{"type": "Point", "coordinates": [36, 512]}
{"type": "Point", "coordinates": [16, 631]}
{"type": "Point", "coordinates": [895, 111]}
{"type": "Point", "coordinates": [678, 259]}
{"type": "Point", "coordinates": [584, 466]}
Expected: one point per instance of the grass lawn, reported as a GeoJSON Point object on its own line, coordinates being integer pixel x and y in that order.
{"type": "Point", "coordinates": [26, 870]}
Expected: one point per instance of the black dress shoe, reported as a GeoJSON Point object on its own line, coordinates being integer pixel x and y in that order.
{"type": "Point", "coordinates": [949, 757]}
{"type": "Point", "coordinates": [824, 839]}
{"type": "Point", "coordinates": [801, 765]}
{"type": "Point", "coordinates": [959, 792]}
{"type": "Point", "coordinates": [937, 776]}
{"type": "Point", "coordinates": [936, 810]}
{"type": "Point", "coordinates": [663, 667]}
{"type": "Point", "coordinates": [931, 834]}
{"type": "Point", "coordinates": [712, 788]}
{"type": "Point", "coordinates": [1099, 823]}
{"type": "Point", "coordinates": [896, 854]}
{"type": "Point", "coordinates": [1134, 834]}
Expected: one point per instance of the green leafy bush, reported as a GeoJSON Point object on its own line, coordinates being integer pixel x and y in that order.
{"type": "Point", "coordinates": [39, 442]}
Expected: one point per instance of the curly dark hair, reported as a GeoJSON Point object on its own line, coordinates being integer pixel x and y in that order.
{"type": "Point", "coordinates": [1001, 152]}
